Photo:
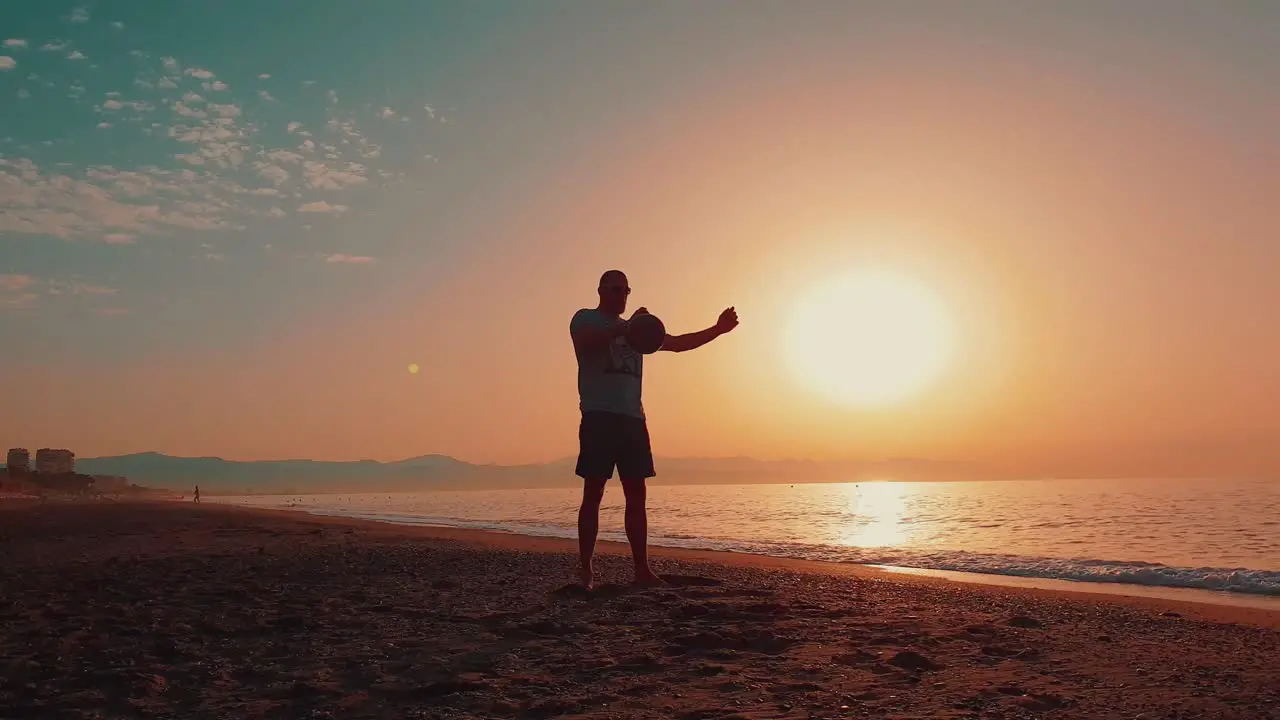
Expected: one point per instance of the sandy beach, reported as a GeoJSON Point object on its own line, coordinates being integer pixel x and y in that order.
{"type": "Point", "coordinates": [180, 611]}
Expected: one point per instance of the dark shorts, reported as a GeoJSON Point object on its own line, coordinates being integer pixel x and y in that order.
{"type": "Point", "coordinates": [607, 440]}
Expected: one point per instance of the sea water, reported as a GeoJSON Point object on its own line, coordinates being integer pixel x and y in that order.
{"type": "Point", "coordinates": [1206, 534]}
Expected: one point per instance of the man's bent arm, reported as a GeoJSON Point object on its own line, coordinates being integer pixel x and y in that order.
{"type": "Point", "coordinates": [689, 341]}
{"type": "Point", "coordinates": [587, 336]}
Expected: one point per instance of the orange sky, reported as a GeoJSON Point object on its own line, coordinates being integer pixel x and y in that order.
{"type": "Point", "coordinates": [1094, 205]}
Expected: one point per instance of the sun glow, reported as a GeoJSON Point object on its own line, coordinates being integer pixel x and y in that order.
{"type": "Point", "coordinates": [868, 338]}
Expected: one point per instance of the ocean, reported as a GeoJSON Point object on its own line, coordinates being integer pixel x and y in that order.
{"type": "Point", "coordinates": [1207, 535]}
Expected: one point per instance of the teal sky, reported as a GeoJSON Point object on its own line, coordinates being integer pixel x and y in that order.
{"type": "Point", "coordinates": [226, 228]}
{"type": "Point", "coordinates": [195, 170]}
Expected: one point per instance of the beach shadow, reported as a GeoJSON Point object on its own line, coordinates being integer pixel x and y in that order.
{"type": "Point", "coordinates": [608, 591]}
{"type": "Point", "coordinates": [603, 591]}
{"type": "Point", "coordinates": [690, 581]}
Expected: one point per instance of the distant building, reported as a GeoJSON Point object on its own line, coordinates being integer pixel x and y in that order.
{"type": "Point", "coordinates": [18, 461]}
{"type": "Point", "coordinates": [55, 461]}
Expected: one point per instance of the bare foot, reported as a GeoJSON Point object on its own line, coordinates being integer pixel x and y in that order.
{"type": "Point", "coordinates": [647, 578]}
{"type": "Point", "coordinates": [587, 576]}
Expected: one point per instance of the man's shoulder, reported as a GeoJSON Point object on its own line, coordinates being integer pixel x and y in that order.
{"type": "Point", "coordinates": [587, 315]}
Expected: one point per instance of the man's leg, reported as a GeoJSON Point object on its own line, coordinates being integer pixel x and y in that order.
{"type": "Point", "coordinates": [588, 527]}
{"type": "Point", "coordinates": [596, 458]}
{"type": "Point", "coordinates": [635, 467]}
{"type": "Point", "coordinates": [637, 525]}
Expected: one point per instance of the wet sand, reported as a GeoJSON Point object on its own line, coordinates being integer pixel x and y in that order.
{"type": "Point", "coordinates": [179, 611]}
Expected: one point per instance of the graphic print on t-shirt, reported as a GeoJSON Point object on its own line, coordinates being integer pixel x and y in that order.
{"type": "Point", "coordinates": [622, 359]}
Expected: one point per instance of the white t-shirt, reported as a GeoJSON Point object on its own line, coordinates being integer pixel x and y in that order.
{"type": "Point", "coordinates": [609, 378]}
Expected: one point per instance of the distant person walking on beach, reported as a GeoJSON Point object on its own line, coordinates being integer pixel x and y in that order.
{"type": "Point", "coordinates": [197, 498]}
{"type": "Point", "coordinates": [613, 432]}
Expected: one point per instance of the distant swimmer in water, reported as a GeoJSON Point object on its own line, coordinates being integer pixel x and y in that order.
{"type": "Point", "coordinates": [613, 432]}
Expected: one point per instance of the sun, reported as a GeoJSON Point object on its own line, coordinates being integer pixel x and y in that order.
{"type": "Point", "coordinates": [869, 338]}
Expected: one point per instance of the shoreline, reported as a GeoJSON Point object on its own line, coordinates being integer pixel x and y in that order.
{"type": "Point", "coordinates": [1147, 593]}
{"type": "Point", "coordinates": [1261, 611]}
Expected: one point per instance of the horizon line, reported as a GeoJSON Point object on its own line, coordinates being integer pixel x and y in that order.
{"type": "Point", "coordinates": [564, 458]}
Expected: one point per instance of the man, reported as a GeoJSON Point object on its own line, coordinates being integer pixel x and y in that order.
{"type": "Point", "coordinates": [613, 432]}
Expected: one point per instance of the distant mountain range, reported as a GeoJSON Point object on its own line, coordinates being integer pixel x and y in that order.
{"type": "Point", "coordinates": [428, 472]}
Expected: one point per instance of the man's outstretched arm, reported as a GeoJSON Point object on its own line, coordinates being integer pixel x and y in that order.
{"type": "Point", "coordinates": [683, 343]}
{"type": "Point", "coordinates": [689, 341]}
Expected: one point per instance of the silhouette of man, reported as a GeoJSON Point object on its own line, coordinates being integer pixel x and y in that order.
{"type": "Point", "coordinates": [197, 494]}
{"type": "Point", "coordinates": [613, 432]}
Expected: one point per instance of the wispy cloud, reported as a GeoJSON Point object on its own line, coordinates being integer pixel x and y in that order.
{"type": "Point", "coordinates": [105, 199]}
{"type": "Point", "coordinates": [21, 292]}
{"type": "Point", "coordinates": [17, 292]}
{"type": "Point", "coordinates": [229, 164]}
{"type": "Point", "coordinates": [344, 259]}
{"type": "Point", "coordinates": [76, 55]}
{"type": "Point", "coordinates": [18, 301]}
{"type": "Point", "coordinates": [80, 15]}
{"type": "Point", "coordinates": [321, 206]}
{"type": "Point", "coordinates": [14, 283]}
{"type": "Point", "coordinates": [7, 63]}
{"type": "Point", "coordinates": [76, 287]}
{"type": "Point", "coordinates": [17, 43]}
